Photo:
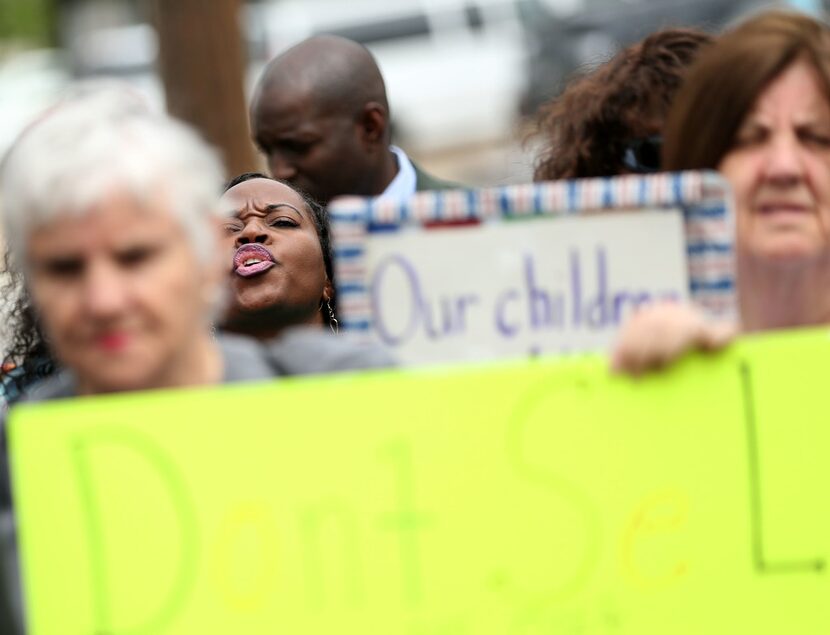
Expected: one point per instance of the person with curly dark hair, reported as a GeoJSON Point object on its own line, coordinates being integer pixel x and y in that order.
{"type": "Point", "coordinates": [609, 121]}
{"type": "Point", "coordinates": [26, 357]}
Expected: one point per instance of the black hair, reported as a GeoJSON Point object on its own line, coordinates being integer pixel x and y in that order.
{"type": "Point", "coordinates": [27, 357]}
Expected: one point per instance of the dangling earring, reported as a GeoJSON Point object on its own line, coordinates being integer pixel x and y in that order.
{"type": "Point", "coordinates": [333, 323]}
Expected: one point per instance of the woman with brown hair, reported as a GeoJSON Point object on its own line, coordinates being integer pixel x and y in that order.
{"type": "Point", "coordinates": [756, 107]}
{"type": "Point", "coordinates": [609, 121]}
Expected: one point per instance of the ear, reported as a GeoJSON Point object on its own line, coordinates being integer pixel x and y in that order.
{"type": "Point", "coordinates": [328, 291]}
{"type": "Point", "coordinates": [373, 124]}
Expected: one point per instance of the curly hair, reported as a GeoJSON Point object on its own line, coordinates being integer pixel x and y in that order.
{"type": "Point", "coordinates": [321, 224]}
{"type": "Point", "coordinates": [27, 357]}
{"type": "Point", "coordinates": [584, 130]}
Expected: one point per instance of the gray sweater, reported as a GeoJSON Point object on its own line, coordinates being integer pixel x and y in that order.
{"type": "Point", "coordinates": [299, 351]}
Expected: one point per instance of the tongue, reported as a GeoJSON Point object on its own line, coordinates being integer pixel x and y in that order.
{"type": "Point", "coordinates": [246, 271]}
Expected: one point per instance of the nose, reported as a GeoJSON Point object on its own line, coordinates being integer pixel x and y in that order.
{"type": "Point", "coordinates": [280, 167]}
{"type": "Point", "coordinates": [785, 160]}
{"type": "Point", "coordinates": [253, 232]}
{"type": "Point", "coordinates": [105, 295]}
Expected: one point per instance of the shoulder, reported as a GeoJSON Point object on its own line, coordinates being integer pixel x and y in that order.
{"type": "Point", "coordinates": [425, 181]}
{"type": "Point", "coordinates": [58, 386]}
{"type": "Point", "coordinates": [305, 351]}
{"type": "Point", "coordinates": [245, 358]}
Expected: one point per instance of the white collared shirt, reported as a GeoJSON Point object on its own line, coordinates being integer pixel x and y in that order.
{"type": "Point", "coordinates": [403, 185]}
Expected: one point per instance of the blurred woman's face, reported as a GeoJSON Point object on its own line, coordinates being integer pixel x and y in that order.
{"type": "Point", "coordinates": [779, 168]}
{"type": "Point", "coordinates": [276, 258]}
{"type": "Point", "coordinates": [119, 291]}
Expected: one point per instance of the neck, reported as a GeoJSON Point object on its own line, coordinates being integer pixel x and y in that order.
{"type": "Point", "coordinates": [272, 322]}
{"type": "Point", "coordinates": [779, 296]}
{"type": "Point", "coordinates": [387, 171]}
{"type": "Point", "coordinates": [198, 363]}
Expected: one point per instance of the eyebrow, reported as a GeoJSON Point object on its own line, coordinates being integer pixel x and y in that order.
{"type": "Point", "coordinates": [271, 208]}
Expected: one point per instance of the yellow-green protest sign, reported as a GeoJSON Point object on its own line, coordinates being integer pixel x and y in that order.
{"type": "Point", "coordinates": [524, 498]}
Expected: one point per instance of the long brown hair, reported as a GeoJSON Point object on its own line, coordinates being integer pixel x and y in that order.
{"type": "Point", "coordinates": [583, 131]}
{"type": "Point", "coordinates": [723, 85]}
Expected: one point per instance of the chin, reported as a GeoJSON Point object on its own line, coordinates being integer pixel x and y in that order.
{"type": "Point", "coordinates": [119, 376]}
{"type": "Point", "coordinates": [791, 252]}
{"type": "Point", "coordinates": [254, 296]}
{"type": "Point", "coordinates": [126, 382]}
{"type": "Point", "coordinates": [242, 308]}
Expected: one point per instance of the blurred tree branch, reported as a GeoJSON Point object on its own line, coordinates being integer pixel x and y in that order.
{"type": "Point", "coordinates": [202, 65]}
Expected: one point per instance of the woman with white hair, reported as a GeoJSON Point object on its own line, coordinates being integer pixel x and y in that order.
{"type": "Point", "coordinates": [111, 217]}
{"type": "Point", "coordinates": [112, 221]}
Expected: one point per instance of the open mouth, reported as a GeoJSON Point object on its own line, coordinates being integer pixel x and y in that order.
{"type": "Point", "coordinates": [251, 260]}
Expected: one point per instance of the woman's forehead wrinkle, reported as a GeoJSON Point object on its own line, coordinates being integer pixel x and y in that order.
{"type": "Point", "coordinates": [251, 205]}
{"type": "Point", "coordinates": [241, 209]}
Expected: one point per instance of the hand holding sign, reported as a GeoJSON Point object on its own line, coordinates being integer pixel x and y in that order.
{"type": "Point", "coordinates": [659, 334]}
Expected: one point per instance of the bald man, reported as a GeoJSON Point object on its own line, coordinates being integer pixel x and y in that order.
{"type": "Point", "coordinates": [320, 116]}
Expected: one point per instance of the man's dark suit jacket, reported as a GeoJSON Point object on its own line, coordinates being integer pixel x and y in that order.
{"type": "Point", "coordinates": [425, 181]}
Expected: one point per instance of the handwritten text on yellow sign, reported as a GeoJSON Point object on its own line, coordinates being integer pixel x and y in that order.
{"type": "Point", "coordinates": [541, 497]}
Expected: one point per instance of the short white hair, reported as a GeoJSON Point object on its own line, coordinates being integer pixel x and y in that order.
{"type": "Point", "coordinates": [100, 139]}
